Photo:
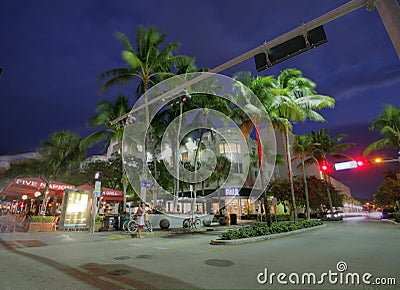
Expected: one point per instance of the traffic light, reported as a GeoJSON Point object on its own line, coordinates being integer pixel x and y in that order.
{"type": "Point", "coordinates": [360, 163]}
{"type": "Point", "coordinates": [324, 167]}
{"type": "Point", "coordinates": [290, 48]}
{"type": "Point", "coordinates": [377, 160]}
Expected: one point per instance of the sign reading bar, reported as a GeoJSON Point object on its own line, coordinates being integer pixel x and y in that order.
{"type": "Point", "coordinates": [346, 165]}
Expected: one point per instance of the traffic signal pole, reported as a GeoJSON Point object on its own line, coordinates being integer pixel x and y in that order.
{"type": "Point", "coordinates": [301, 30]}
{"type": "Point", "coordinates": [389, 10]}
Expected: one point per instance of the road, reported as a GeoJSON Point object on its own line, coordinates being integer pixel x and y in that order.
{"type": "Point", "coordinates": [107, 261]}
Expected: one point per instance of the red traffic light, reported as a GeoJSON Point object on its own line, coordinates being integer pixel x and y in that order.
{"type": "Point", "coordinates": [324, 167]}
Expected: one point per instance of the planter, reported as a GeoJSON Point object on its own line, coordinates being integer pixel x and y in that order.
{"type": "Point", "coordinates": [41, 227]}
{"type": "Point", "coordinates": [98, 226]}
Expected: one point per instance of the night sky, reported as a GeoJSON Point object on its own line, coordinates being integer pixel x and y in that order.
{"type": "Point", "coordinates": [52, 53]}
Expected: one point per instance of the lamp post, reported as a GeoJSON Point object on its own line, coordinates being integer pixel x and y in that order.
{"type": "Point", "coordinates": [96, 194]}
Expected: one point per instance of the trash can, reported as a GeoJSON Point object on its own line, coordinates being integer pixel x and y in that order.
{"type": "Point", "coordinates": [233, 218]}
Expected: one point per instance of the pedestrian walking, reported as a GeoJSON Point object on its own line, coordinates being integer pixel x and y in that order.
{"type": "Point", "coordinates": [140, 218]}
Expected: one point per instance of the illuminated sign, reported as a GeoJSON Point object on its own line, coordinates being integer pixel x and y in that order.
{"type": "Point", "coordinates": [231, 191]}
{"type": "Point", "coordinates": [346, 165]}
{"type": "Point", "coordinates": [76, 209]}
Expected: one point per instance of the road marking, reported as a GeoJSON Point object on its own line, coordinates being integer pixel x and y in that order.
{"type": "Point", "coordinates": [161, 248]}
{"type": "Point", "coordinates": [137, 245]}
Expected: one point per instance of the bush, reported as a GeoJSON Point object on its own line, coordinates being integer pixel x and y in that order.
{"type": "Point", "coordinates": [41, 219]}
{"type": "Point", "coordinates": [396, 216]}
{"type": "Point", "coordinates": [263, 230]}
{"type": "Point", "coordinates": [99, 218]}
{"type": "Point", "coordinates": [332, 219]}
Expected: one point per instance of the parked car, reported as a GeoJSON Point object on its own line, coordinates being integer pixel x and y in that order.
{"type": "Point", "coordinates": [387, 213]}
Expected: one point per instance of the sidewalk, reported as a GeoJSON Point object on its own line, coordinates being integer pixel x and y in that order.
{"type": "Point", "coordinates": [60, 237]}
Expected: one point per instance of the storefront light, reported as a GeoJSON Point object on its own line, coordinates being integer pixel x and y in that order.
{"type": "Point", "coordinates": [38, 193]}
{"type": "Point", "coordinates": [24, 197]}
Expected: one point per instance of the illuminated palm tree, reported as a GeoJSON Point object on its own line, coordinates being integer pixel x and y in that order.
{"type": "Point", "coordinates": [389, 125]}
{"type": "Point", "coordinates": [329, 147]}
{"type": "Point", "coordinates": [109, 134]}
{"type": "Point", "coordinates": [303, 148]}
{"type": "Point", "coordinates": [295, 100]}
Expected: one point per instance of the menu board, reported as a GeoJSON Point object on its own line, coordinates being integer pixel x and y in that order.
{"type": "Point", "coordinates": [75, 209]}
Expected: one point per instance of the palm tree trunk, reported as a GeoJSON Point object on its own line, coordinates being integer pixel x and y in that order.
{"type": "Point", "coordinates": [144, 173]}
{"type": "Point", "coordinates": [177, 155]}
{"type": "Point", "coordinates": [306, 189]}
{"type": "Point", "coordinates": [290, 173]}
{"type": "Point", "coordinates": [155, 188]}
{"type": "Point", "coordinates": [195, 168]}
{"type": "Point", "coordinates": [328, 180]}
{"type": "Point", "coordinates": [260, 165]}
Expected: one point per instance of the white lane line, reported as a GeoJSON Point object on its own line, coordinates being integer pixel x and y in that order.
{"type": "Point", "coordinates": [161, 248]}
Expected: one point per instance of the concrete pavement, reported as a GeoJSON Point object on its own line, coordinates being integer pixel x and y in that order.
{"type": "Point", "coordinates": [187, 260]}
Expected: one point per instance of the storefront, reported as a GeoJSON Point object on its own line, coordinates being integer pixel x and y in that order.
{"type": "Point", "coordinates": [37, 195]}
{"type": "Point", "coordinates": [110, 201]}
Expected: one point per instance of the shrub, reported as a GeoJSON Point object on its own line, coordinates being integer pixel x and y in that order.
{"type": "Point", "coordinates": [41, 219]}
{"type": "Point", "coordinates": [332, 219]}
{"type": "Point", "coordinates": [263, 230]}
{"type": "Point", "coordinates": [99, 218]}
{"type": "Point", "coordinates": [396, 216]}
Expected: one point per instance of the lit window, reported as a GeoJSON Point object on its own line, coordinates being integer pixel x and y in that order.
{"type": "Point", "coordinates": [221, 148]}
{"type": "Point", "coordinates": [185, 156]}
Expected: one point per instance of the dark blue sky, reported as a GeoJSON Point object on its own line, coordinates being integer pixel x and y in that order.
{"type": "Point", "coordinates": [52, 53]}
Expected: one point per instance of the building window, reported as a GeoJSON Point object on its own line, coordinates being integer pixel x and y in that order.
{"type": "Point", "coordinates": [229, 148]}
{"type": "Point", "coordinates": [221, 148]}
{"type": "Point", "coordinates": [237, 168]}
{"type": "Point", "coordinates": [185, 156]}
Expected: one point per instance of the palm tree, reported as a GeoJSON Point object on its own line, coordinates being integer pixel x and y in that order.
{"type": "Point", "coordinates": [298, 101]}
{"type": "Point", "coordinates": [389, 125]}
{"type": "Point", "coordinates": [287, 99]}
{"type": "Point", "coordinates": [106, 112]}
{"type": "Point", "coordinates": [328, 147]}
{"type": "Point", "coordinates": [303, 148]}
{"type": "Point", "coordinates": [258, 86]}
{"type": "Point", "coordinates": [109, 134]}
{"type": "Point", "coordinates": [221, 171]}
{"type": "Point", "coordinates": [145, 62]}
{"type": "Point", "coordinates": [61, 154]}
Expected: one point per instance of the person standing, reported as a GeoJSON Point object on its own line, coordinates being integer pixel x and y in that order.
{"type": "Point", "coordinates": [140, 218]}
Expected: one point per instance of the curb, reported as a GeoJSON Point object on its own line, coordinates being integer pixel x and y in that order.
{"type": "Point", "coordinates": [389, 221]}
{"type": "Point", "coordinates": [263, 238]}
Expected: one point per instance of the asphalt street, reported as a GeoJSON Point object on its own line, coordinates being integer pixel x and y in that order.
{"type": "Point", "coordinates": [112, 260]}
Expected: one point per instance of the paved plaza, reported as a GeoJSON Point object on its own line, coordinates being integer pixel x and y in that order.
{"type": "Point", "coordinates": [185, 260]}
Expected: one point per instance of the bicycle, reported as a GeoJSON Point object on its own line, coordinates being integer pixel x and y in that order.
{"type": "Point", "coordinates": [126, 222]}
{"type": "Point", "coordinates": [192, 222]}
{"type": "Point", "coordinates": [132, 226]}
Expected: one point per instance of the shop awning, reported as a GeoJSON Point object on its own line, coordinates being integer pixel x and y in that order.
{"type": "Point", "coordinates": [28, 186]}
{"type": "Point", "coordinates": [107, 194]}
